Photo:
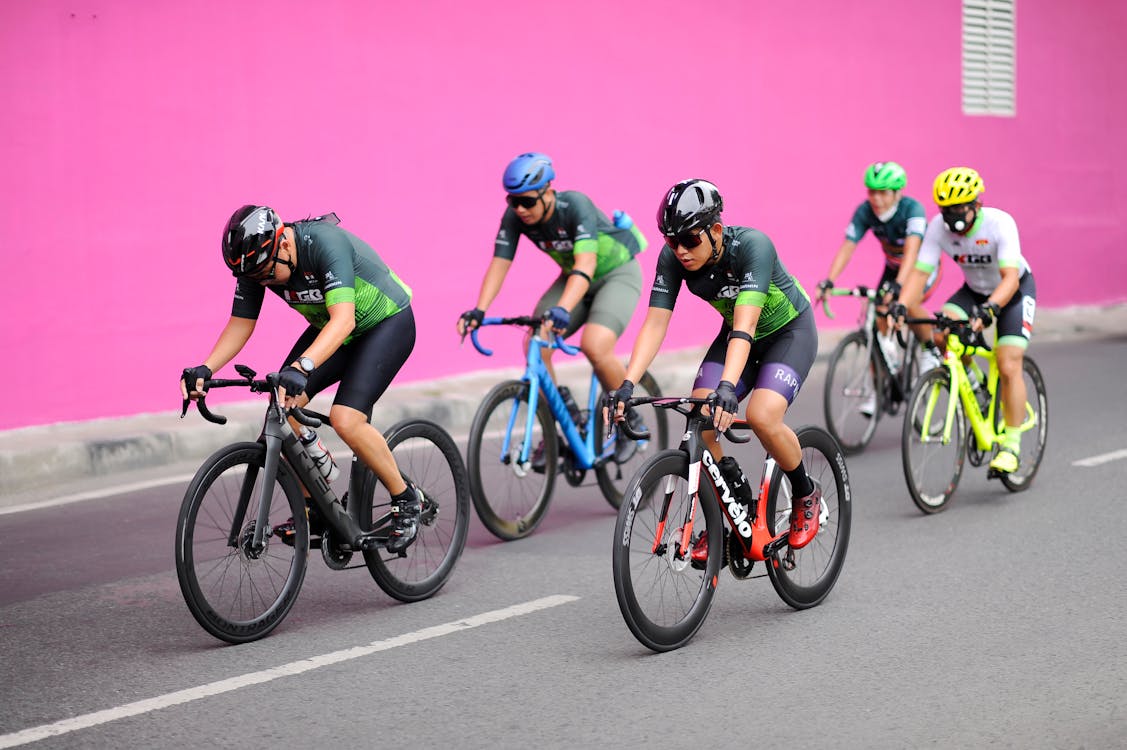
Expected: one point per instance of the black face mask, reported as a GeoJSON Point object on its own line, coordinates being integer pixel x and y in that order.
{"type": "Point", "coordinates": [957, 220]}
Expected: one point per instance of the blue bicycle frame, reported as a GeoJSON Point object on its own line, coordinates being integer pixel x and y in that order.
{"type": "Point", "coordinates": [540, 381]}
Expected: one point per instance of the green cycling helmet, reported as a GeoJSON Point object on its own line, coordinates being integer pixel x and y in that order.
{"type": "Point", "coordinates": [885, 175]}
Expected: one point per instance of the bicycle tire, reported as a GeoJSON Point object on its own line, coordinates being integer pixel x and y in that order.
{"type": "Point", "coordinates": [611, 477]}
{"type": "Point", "coordinates": [1033, 441]}
{"type": "Point", "coordinates": [428, 458]}
{"type": "Point", "coordinates": [687, 590]}
{"type": "Point", "coordinates": [262, 586]}
{"type": "Point", "coordinates": [851, 376]}
{"type": "Point", "coordinates": [931, 476]}
{"type": "Point", "coordinates": [818, 564]}
{"type": "Point", "coordinates": [510, 501]}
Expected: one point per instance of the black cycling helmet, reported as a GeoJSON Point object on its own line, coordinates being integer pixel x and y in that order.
{"type": "Point", "coordinates": [250, 239]}
{"type": "Point", "coordinates": [689, 205]}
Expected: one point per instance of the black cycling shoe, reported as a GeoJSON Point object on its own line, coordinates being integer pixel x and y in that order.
{"type": "Point", "coordinates": [405, 510]}
{"type": "Point", "coordinates": [538, 462]}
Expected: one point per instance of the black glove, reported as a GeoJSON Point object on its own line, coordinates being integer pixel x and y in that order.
{"type": "Point", "coordinates": [193, 374]}
{"type": "Point", "coordinates": [619, 395]}
{"type": "Point", "coordinates": [559, 318]}
{"type": "Point", "coordinates": [293, 380]}
{"type": "Point", "coordinates": [724, 397]}
{"type": "Point", "coordinates": [890, 288]}
{"type": "Point", "coordinates": [472, 318]}
{"type": "Point", "coordinates": [897, 311]}
{"type": "Point", "coordinates": [986, 313]}
{"type": "Point", "coordinates": [824, 286]}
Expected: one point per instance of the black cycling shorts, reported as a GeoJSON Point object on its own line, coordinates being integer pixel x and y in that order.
{"type": "Point", "coordinates": [1015, 320]}
{"type": "Point", "coordinates": [780, 362]}
{"type": "Point", "coordinates": [366, 365]}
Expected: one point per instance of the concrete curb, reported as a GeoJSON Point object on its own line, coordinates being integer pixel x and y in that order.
{"type": "Point", "coordinates": [34, 459]}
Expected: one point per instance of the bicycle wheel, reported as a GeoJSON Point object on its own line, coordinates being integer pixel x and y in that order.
{"type": "Point", "coordinates": [613, 475]}
{"type": "Point", "coordinates": [815, 568]}
{"type": "Point", "coordinates": [236, 592]}
{"type": "Point", "coordinates": [1033, 439]}
{"type": "Point", "coordinates": [850, 382]}
{"type": "Point", "coordinates": [932, 467]}
{"type": "Point", "coordinates": [663, 593]}
{"type": "Point", "coordinates": [428, 458]}
{"type": "Point", "coordinates": [511, 499]}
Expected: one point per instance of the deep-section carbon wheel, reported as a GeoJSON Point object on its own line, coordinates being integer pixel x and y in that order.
{"type": "Point", "coordinates": [239, 592]}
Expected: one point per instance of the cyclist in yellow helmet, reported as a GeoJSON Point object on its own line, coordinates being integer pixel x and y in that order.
{"type": "Point", "coordinates": [999, 285]}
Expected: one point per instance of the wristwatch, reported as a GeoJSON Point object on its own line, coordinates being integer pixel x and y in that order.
{"type": "Point", "coordinates": [307, 365]}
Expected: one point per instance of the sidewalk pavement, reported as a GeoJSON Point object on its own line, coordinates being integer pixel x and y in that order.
{"type": "Point", "coordinates": [34, 460]}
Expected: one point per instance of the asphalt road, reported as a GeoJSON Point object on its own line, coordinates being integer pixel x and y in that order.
{"type": "Point", "coordinates": [999, 623]}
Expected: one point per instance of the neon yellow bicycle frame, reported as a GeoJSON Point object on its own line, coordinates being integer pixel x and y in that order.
{"type": "Point", "coordinates": [983, 426]}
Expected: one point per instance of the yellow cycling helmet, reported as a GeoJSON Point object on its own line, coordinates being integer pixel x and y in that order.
{"type": "Point", "coordinates": [957, 185]}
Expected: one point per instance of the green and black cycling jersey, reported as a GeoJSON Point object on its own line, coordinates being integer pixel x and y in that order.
{"type": "Point", "coordinates": [333, 266]}
{"type": "Point", "coordinates": [909, 218]}
{"type": "Point", "coordinates": [576, 226]}
{"type": "Point", "coordinates": [748, 273]}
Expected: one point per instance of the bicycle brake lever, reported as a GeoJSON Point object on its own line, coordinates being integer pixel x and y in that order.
{"type": "Point", "coordinates": [184, 408]}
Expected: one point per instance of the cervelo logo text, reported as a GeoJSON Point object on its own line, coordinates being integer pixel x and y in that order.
{"type": "Point", "coordinates": [736, 511]}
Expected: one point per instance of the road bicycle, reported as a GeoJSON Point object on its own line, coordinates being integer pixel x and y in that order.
{"type": "Point", "coordinates": [524, 434]}
{"type": "Point", "coordinates": [245, 529]}
{"type": "Point", "coordinates": [670, 539]}
{"type": "Point", "coordinates": [866, 366]}
{"type": "Point", "coordinates": [936, 438]}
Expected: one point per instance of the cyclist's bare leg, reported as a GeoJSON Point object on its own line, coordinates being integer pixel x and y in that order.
{"type": "Point", "coordinates": [368, 444]}
{"type": "Point", "coordinates": [923, 332]}
{"type": "Point", "coordinates": [597, 344]}
{"type": "Point", "coordinates": [765, 411]}
{"type": "Point", "coordinates": [1012, 384]}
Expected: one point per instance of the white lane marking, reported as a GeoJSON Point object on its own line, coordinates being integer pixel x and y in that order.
{"type": "Point", "coordinates": [120, 489]}
{"type": "Point", "coordinates": [86, 721]}
{"type": "Point", "coordinates": [1101, 459]}
{"type": "Point", "coordinates": [78, 497]}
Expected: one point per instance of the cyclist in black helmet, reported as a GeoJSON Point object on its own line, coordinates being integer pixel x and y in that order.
{"type": "Point", "coordinates": [361, 330]}
{"type": "Point", "coordinates": [599, 283]}
{"type": "Point", "coordinates": [767, 340]}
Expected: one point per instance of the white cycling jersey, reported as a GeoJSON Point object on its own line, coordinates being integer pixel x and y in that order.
{"type": "Point", "coordinates": [991, 245]}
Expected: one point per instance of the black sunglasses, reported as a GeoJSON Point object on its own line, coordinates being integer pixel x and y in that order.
{"type": "Point", "coordinates": [524, 201]}
{"type": "Point", "coordinates": [687, 240]}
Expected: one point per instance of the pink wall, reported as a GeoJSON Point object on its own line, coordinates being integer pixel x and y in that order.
{"type": "Point", "coordinates": [131, 131]}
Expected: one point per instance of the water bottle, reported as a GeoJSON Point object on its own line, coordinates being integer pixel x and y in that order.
{"type": "Point", "coordinates": [572, 407]}
{"type": "Point", "coordinates": [891, 351]}
{"type": "Point", "coordinates": [736, 480]}
{"type": "Point", "coordinates": [978, 385]}
{"type": "Point", "coordinates": [622, 220]}
{"type": "Point", "coordinates": [320, 455]}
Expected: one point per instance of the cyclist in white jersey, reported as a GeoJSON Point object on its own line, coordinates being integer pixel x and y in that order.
{"type": "Point", "coordinates": [984, 242]}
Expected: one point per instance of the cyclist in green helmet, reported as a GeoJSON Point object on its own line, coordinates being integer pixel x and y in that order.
{"type": "Point", "coordinates": [898, 222]}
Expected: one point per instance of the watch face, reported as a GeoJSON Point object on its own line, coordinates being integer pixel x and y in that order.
{"type": "Point", "coordinates": [306, 364]}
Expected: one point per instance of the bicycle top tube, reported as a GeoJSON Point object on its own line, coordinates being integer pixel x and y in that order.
{"type": "Point", "coordinates": [688, 406]}
{"type": "Point", "coordinates": [522, 321]}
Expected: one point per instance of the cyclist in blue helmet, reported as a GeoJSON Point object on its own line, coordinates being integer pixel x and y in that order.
{"type": "Point", "coordinates": [599, 283]}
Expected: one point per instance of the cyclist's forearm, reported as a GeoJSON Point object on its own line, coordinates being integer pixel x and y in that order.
{"type": "Point", "coordinates": [1004, 292]}
{"type": "Point", "coordinates": [342, 322]}
{"type": "Point", "coordinates": [231, 341]}
{"type": "Point", "coordinates": [648, 343]}
{"type": "Point", "coordinates": [744, 318]}
{"type": "Point", "coordinates": [577, 285]}
{"type": "Point", "coordinates": [908, 259]}
{"type": "Point", "coordinates": [912, 291]}
{"type": "Point", "coordinates": [841, 260]}
{"type": "Point", "coordinates": [491, 284]}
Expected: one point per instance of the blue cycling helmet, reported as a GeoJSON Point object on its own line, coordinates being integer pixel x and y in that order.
{"type": "Point", "coordinates": [531, 171]}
